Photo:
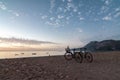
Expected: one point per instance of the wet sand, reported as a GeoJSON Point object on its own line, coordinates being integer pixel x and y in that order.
{"type": "Point", "coordinates": [105, 66]}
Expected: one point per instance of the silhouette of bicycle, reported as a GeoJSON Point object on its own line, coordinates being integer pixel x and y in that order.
{"type": "Point", "coordinates": [78, 54]}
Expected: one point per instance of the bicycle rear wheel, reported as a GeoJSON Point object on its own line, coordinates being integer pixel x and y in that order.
{"type": "Point", "coordinates": [88, 57]}
{"type": "Point", "coordinates": [78, 57]}
{"type": "Point", "coordinates": [68, 56]}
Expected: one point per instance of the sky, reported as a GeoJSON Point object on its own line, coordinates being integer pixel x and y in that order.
{"type": "Point", "coordinates": [54, 24]}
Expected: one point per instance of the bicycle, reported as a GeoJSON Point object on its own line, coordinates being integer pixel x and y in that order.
{"type": "Point", "coordinates": [78, 54]}
{"type": "Point", "coordinates": [70, 54]}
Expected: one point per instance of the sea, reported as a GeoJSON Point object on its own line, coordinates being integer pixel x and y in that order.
{"type": "Point", "coordinates": [23, 54]}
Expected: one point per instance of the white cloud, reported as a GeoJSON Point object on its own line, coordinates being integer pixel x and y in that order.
{"type": "Point", "coordinates": [65, 10]}
{"type": "Point", "coordinates": [2, 6]}
{"type": "Point", "coordinates": [117, 9]}
{"type": "Point", "coordinates": [79, 13]}
{"type": "Point", "coordinates": [81, 18]}
{"type": "Point", "coordinates": [60, 16]}
{"type": "Point", "coordinates": [24, 41]}
{"type": "Point", "coordinates": [75, 10]}
{"type": "Point", "coordinates": [107, 2]}
{"type": "Point", "coordinates": [52, 5]}
{"type": "Point", "coordinates": [67, 18]}
{"type": "Point", "coordinates": [26, 44]}
{"type": "Point", "coordinates": [79, 30]}
{"type": "Point", "coordinates": [60, 9]}
{"type": "Point", "coordinates": [109, 14]}
{"type": "Point", "coordinates": [52, 18]}
{"type": "Point", "coordinates": [106, 6]}
{"type": "Point", "coordinates": [44, 17]}
{"type": "Point", "coordinates": [63, 0]}
{"type": "Point", "coordinates": [107, 18]}
{"type": "Point", "coordinates": [16, 14]}
{"type": "Point", "coordinates": [54, 24]}
{"type": "Point", "coordinates": [104, 9]}
{"type": "Point", "coordinates": [69, 5]}
{"type": "Point", "coordinates": [69, 0]}
{"type": "Point", "coordinates": [117, 15]}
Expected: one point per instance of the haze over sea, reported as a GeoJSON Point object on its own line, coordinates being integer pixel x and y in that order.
{"type": "Point", "coordinates": [22, 54]}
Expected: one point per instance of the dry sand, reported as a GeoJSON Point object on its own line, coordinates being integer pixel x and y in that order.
{"type": "Point", "coordinates": [106, 66]}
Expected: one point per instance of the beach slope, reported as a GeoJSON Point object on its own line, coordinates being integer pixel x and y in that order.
{"type": "Point", "coordinates": [106, 66]}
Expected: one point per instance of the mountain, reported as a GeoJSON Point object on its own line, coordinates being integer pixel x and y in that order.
{"type": "Point", "coordinates": [105, 45]}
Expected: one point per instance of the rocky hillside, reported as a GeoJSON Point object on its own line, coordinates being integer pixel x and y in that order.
{"type": "Point", "coordinates": [105, 45]}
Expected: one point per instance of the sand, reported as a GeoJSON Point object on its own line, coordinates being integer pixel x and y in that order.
{"type": "Point", "coordinates": [105, 66]}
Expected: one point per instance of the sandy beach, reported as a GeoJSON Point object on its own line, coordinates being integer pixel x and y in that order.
{"type": "Point", "coordinates": [105, 66]}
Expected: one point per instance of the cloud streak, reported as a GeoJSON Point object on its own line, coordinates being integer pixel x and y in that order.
{"type": "Point", "coordinates": [24, 41]}
{"type": "Point", "coordinates": [28, 44]}
{"type": "Point", "coordinates": [107, 18]}
{"type": "Point", "coordinates": [52, 5]}
{"type": "Point", "coordinates": [117, 15]}
{"type": "Point", "coordinates": [2, 6]}
{"type": "Point", "coordinates": [79, 30]}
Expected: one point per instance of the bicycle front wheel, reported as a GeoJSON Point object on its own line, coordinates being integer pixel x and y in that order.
{"type": "Point", "coordinates": [68, 56]}
{"type": "Point", "coordinates": [89, 57]}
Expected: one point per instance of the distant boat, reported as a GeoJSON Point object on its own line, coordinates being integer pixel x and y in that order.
{"type": "Point", "coordinates": [22, 53]}
{"type": "Point", "coordinates": [34, 53]}
{"type": "Point", "coordinates": [16, 54]}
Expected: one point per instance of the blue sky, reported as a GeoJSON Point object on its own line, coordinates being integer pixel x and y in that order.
{"type": "Point", "coordinates": [67, 22]}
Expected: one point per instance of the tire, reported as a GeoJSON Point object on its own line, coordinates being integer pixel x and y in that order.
{"type": "Point", "coordinates": [89, 57]}
{"type": "Point", "coordinates": [68, 56]}
{"type": "Point", "coordinates": [78, 57]}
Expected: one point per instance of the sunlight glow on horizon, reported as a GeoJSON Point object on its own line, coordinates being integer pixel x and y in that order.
{"type": "Point", "coordinates": [21, 44]}
{"type": "Point", "coordinates": [14, 46]}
